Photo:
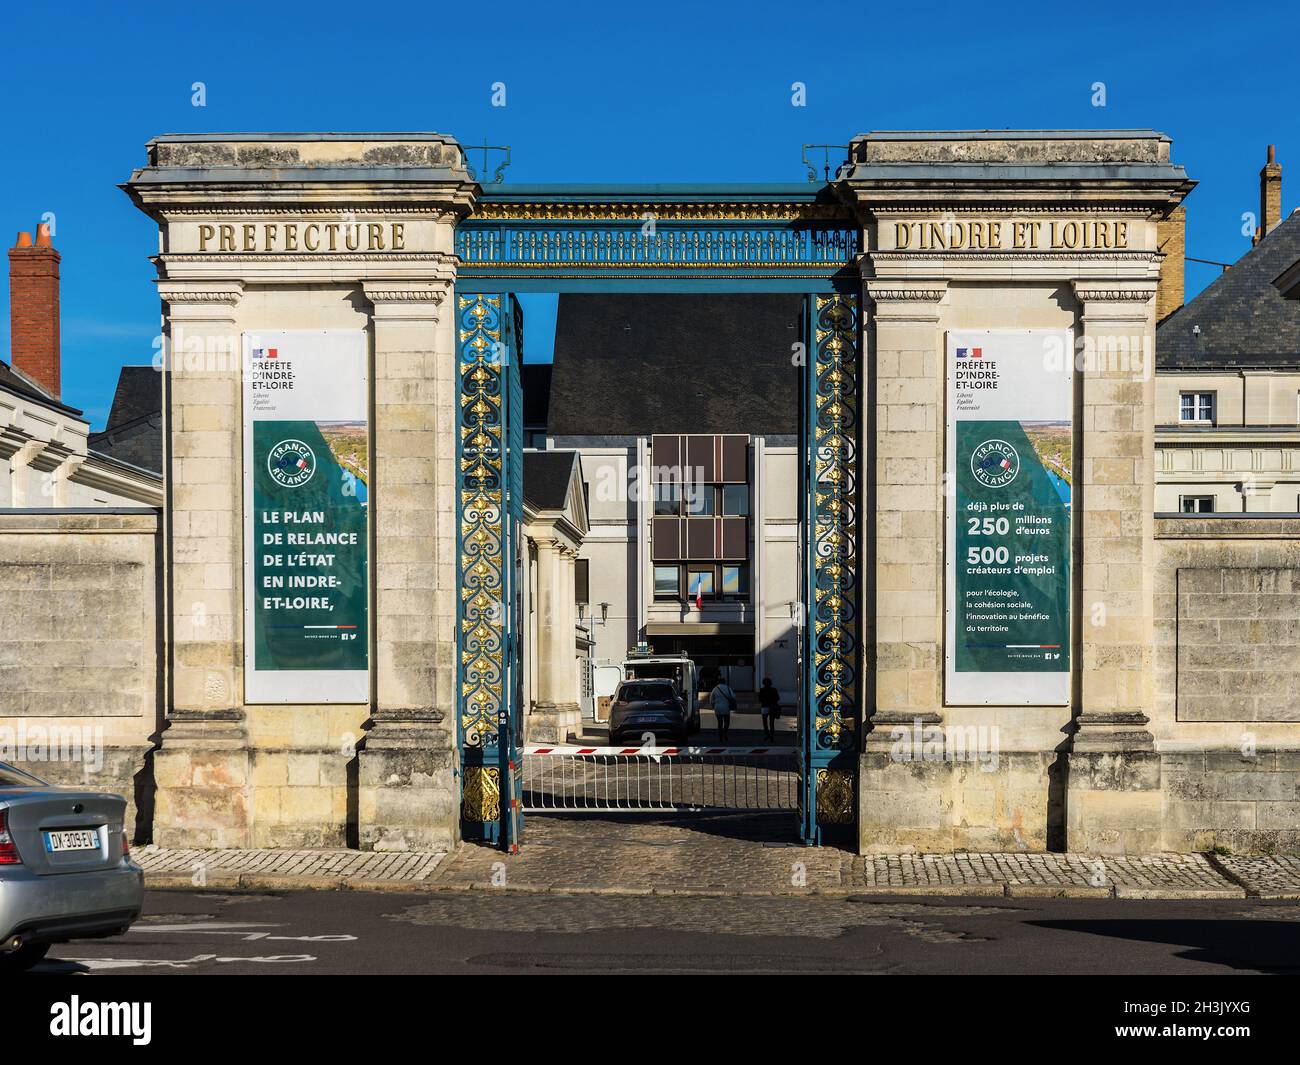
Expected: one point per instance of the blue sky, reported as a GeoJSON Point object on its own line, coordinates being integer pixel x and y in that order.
{"type": "Point", "coordinates": [604, 92]}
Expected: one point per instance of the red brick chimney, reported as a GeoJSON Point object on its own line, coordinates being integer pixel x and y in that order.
{"type": "Point", "coordinates": [34, 309]}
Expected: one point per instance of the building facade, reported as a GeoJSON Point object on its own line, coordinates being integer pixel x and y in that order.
{"type": "Point", "coordinates": [1228, 381]}
{"type": "Point", "coordinates": [556, 637]}
{"type": "Point", "coordinates": [691, 467]}
{"type": "Point", "coordinates": [48, 456]}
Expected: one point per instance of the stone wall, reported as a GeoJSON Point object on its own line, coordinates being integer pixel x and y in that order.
{"type": "Point", "coordinates": [1227, 698]}
{"type": "Point", "coordinates": [80, 681]}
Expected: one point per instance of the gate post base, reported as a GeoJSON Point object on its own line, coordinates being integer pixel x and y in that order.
{"type": "Point", "coordinates": [552, 722]}
{"type": "Point", "coordinates": [406, 794]}
{"type": "Point", "coordinates": [921, 792]}
{"type": "Point", "coordinates": [203, 778]}
{"type": "Point", "coordinates": [1113, 799]}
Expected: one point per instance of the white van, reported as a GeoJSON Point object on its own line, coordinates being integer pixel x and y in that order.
{"type": "Point", "coordinates": [677, 668]}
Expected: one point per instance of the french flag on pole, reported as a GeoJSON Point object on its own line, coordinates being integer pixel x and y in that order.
{"type": "Point", "coordinates": [699, 598]}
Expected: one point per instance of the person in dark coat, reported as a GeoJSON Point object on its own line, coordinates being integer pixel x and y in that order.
{"type": "Point", "coordinates": [769, 701]}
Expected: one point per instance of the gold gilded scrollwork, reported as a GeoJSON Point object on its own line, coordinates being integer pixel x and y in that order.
{"type": "Point", "coordinates": [482, 520]}
{"type": "Point", "coordinates": [481, 794]}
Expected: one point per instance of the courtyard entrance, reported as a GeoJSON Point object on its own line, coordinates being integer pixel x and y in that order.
{"type": "Point", "coordinates": [661, 239]}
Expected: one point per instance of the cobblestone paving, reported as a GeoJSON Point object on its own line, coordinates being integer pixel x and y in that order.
{"type": "Point", "coordinates": [1276, 877]}
{"type": "Point", "coordinates": [1127, 876]}
{"type": "Point", "coordinates": [753, 855]}
{"type": "Point", "coordinates": [202, 867]}
{"type": "Point", "coordinates": [729, 854]}
{"type": "Point", "coordinates": [721, 855]}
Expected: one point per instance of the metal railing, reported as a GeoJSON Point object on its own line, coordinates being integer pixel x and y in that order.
{"type": "Point", "coordinates": [683, 779]}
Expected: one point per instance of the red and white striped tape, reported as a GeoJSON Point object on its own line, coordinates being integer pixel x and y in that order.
{"type": "Point", "coordinates": [570, 749]}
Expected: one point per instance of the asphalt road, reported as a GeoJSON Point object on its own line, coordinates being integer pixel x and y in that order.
{"type": "Point", "coordinates": [502, 931]}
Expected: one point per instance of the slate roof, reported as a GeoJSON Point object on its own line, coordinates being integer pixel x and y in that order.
{"type": "Point", "coordinates": [12, 381]}
{"type": "Point", "coordinates": [137, 443]}
{"type": "Point", "coordinates": [139, 392]}
{"type": "Point", "coordinates": [546, 478]}
{"type": "Point", "coordinates": [1245, 322]}
{"type": "Point", "coordinates": [633, 365]}
{"type": "Point", "coordinates": [133, 432]}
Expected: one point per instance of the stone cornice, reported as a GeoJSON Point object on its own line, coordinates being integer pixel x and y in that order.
{"type": "Point", "coordinates": [404, 295]}
{"type": "Point", "coordinates": [1138, 256]}
{"type": "Point", "coordinates": [396, 209]}
{"type": "Point", "coordinates": [313, 258]}
{"type": "Point", "coordinates": [881, 295]}
{"type": "Point", "coordinates": [1104, 292]}
{"type": "Point", "coordinates": [942, 207]}
{"type": "Point", "coordinates": [97, 472]}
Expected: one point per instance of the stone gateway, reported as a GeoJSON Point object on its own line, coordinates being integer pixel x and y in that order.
{"type": "Point", "coordinates": [1004, 648]}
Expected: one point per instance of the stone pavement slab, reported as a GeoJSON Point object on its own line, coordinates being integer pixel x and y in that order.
{"type": "Point", "coordinates": [1026, 875]}
{"type": "Point", "coordinates": [275, 869]}
{"type": "Point", "coordinates": [1265, 876]}
{"type": "Point", "coordinates": [720, 855]}
{"type": "Point", "coordinates": [748, 855]}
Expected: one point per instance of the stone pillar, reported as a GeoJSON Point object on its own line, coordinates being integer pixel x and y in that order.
{"type": "Point", "coordinates": [267, 233]}
{"type": "Point", "coordinates": [407, 797]}
{"type": "Point", "coordinates": [202, 769]}
{"type": "Point", "coordinates": [569, 634]}
{"type": "Point", "coordinates": [906, 445]}
{"type": "Point", "coordinates": [556, 710]}
{"type": "Point", "coordinates": [1113, 800]}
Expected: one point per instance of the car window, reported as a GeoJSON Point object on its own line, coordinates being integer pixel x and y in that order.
{"type": "Point", "coordinates": [16, 778]}
{"type": "Point", "coordinates": [637, 692]}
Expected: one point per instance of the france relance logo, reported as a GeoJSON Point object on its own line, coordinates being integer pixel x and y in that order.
{"type": "Point", "coordinates": [291, 463]}
{"type": "Point", "coordinates": [994, 463]}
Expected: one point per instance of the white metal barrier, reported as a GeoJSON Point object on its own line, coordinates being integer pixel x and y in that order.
{"type": "Point", "coordinates": [571, 777]}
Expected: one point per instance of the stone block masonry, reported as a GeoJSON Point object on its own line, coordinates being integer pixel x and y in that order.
{"type": "Point", "coordinates": [1238, 644]}
{"type": "Point", "coordinates": [80, 638]}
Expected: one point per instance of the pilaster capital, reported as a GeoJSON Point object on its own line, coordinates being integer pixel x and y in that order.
{"type": "Point", "coordinates": [200, 301]}
{"type": "Point", "coordinates": [906, 300]}
{"type": "Point", "coordinates": [406, 301]}
{"type": "Point", "coordinates": [1103, 300]}
{"type": "Point", "coordinates": [546, 543]}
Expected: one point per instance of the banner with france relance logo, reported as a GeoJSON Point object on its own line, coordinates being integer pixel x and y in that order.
{"type": "Point", "coordinates": [1010, 461]}
{"type": "Point", "coordinates": [306, 482]}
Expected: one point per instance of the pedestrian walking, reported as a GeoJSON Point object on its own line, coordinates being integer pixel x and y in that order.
{"type": "Point", "coordinates": [723, 701]}
{"type": "Point", "coordinates": [769, 701]}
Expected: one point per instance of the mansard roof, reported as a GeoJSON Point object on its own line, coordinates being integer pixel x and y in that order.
{"type": "Point", "coordinates": [1241, 320]}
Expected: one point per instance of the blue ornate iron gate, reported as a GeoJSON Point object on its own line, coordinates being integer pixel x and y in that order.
{"type": "Point", "coordinates": [830, 440]}
{"type": "Point", "coordinates": [772, 238]}
{"type": "Point", "coordinates": [490, 503]}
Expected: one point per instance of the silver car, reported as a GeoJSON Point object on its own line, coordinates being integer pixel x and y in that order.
{"type": "Point", "coordinates": [65, 868]}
